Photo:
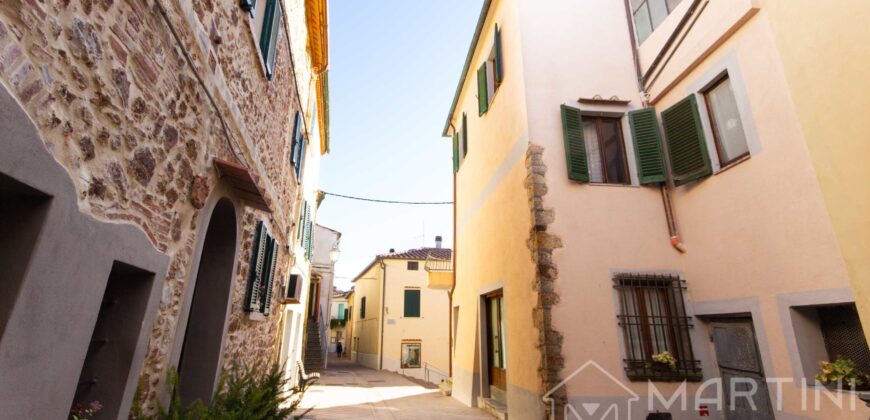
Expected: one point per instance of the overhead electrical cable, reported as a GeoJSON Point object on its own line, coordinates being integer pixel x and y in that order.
{"type": "Point", "coordinates": [372, 200]}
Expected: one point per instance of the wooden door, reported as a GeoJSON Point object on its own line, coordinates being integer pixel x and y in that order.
{"type": "Point", "coordinates": [740, 367]}
{"type": "Point", "coordinates": [495, 327]}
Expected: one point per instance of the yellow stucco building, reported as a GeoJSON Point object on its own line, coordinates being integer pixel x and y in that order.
{"type": "Point", "coordinates": [400, 321]}
{"type": "Point", "coordinates": [662, 178]}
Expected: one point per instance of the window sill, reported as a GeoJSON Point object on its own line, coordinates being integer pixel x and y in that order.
{"type": "Point", "coordinates": [256, 316]}
{"type": "Point", "coordinates": [733, 163]}
{"type": "Point", "coordinates": [604, 184]}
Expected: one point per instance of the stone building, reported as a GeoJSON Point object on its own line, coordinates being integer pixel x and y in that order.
{"type": "Point", "coordinates": [158, 187]}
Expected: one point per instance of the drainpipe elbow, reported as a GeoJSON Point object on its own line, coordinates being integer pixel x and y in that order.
{"type": "Point", "coordinates": [677, 243]}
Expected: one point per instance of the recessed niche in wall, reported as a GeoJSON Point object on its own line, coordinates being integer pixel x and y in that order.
{"type": "Point", "coordinates": [113, 342]}
{"type": "Point", "coordinates": [22, 215]}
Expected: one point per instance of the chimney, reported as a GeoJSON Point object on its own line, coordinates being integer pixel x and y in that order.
{"type": "Point", "coordinates": [438, 242]}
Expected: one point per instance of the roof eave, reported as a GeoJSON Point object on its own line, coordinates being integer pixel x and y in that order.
{"type": "Point", "coordinates": [484, 11]}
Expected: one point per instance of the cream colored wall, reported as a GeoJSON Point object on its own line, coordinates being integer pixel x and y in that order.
{"type": "Point", "coordinates": [825, 63]}
{"type": "Point", "coordinates": [493, 216]}
{"type": "Point", "coordinates": [758, 232]}
{"type": "Point", "coordinates": [431, 328]}
{"type": "Point", "coordinates": [367, 329]}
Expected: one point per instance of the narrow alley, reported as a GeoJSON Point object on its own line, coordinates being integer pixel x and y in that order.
{"type": "Point", "coordinates": [347, 390]}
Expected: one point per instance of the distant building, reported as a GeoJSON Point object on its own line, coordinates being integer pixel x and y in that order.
{"type": "Point", "coordinates": [339, 312]}
{"type": "Point", "coordinates": [648, 176]}
{"type": "Point", "coordinates": [401, 321]}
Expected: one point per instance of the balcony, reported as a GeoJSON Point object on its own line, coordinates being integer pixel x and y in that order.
{"type": "Point", "coordinates": [440, 272]}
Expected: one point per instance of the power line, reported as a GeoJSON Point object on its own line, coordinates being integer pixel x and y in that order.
{"type": "Point", "coordinates": [372, 200]}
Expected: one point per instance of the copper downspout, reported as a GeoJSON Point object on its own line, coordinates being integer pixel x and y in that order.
{"type": "Point", "coordinates": [676, 242]}
{"type": "Point", "coordinates": [383, 306]}
{"type": "Point", "coordinates": [452, 288]}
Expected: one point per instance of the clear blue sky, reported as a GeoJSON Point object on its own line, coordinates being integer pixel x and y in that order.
{"type": "Point", "coordinates": [393, 70]}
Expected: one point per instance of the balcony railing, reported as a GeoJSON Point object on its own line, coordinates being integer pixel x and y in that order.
{"type": "Point", "coordinates": [440, 272]}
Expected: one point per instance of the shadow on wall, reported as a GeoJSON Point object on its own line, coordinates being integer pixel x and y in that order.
{"type": "Point", "coordinates": [78, 296]}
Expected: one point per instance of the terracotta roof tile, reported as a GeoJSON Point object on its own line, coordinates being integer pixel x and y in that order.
{"type": "Point", "coordinates": [419, 254]}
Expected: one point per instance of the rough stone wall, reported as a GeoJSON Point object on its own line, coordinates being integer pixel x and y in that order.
{"type": "Point", "coordinates": [541, 243]}
{"type": "Point", "coordinates": [119, 106]}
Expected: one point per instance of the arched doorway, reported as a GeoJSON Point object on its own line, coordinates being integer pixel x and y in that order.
{"type": "Point", "coordinates": [200, 354]}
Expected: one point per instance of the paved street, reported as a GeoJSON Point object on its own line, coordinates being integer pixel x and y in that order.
{"type": "Point", "coordinates": [349, 391]}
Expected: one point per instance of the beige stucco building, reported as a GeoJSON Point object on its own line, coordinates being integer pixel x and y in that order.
{"type": "Point", "coordinates": [647, 176]}
{"type": "Point", "coordinates": [400, 322]}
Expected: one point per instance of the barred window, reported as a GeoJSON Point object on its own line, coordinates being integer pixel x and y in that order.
{"type": "Point", "coordinates": [653, 319]}
{"type": "Point", "coordinates": [843, 335]}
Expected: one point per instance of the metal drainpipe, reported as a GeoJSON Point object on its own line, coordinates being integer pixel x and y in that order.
{"type": "Point", "coordinates": [676, 242]}
{"type": "Point", "coordinates": [450, 343]}
{"type": "Point", "coordinates": [383, 306]}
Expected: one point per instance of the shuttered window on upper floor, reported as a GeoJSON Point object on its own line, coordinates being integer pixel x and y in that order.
{"type": "Point", "coordinates": [273, 19]}
{"type": "Point", "coordinates": [297, 154]}
{"type": "Point", "coordinates": [687, 146]}
{"type": "Point", "coordinates": [412, 303]}
{"type": "Point", "coordinates": [647, 146]}
{"type": "Point", "coordinates": [490, 74]}
{"type": "Point", "coordinates": [261, 275]}
{"type": "Point", "coordinates": [304, 230]}
{"type": "Point", "coordinates": [460, 143]}
{"type": "Point", "coordinates": [575, 144]}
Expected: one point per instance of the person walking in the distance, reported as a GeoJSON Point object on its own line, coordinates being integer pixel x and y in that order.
{"type": "Point", "coordinates": [339, 349]}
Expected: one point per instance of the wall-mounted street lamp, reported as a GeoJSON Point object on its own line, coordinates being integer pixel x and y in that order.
{"type": "Point", "coordinates": [334, 253]}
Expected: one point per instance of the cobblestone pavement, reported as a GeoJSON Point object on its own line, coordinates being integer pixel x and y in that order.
{"type": "Point", "coordinates": [349, 391]}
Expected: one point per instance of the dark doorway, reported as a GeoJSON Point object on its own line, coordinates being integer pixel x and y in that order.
{"type": "Point", "coordinates": [200, 354]}
{"type": "Point", "coordinates": [22, 215]}
{"type": "Point", "coordinates": [740, 366]}
{"type": "Point", "coordinates": [113, 342]}
{"type": "Point", "coordinates": [495, 333]}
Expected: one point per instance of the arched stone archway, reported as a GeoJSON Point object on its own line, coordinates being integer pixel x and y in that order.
{"type": "Point", "coordinates": [200, 357]}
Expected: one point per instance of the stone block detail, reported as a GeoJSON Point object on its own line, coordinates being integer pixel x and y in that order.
{"type": "Point", "coordinates": [541, 244]}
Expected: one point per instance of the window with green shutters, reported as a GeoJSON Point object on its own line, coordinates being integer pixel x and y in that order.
{"type": "Point", "coordinates": [455, 152]}
{"type": "Point", "coordinates": [490, 74]}
{"type": "Point", "coordinates": [647, 146]}
{"type": "Point", "coordinates": [575, 145]}
{"type": "Point", "coordinates": [412, 303]}
{"type": "Point", "coordinates": [297, 154]}
{"type": "Point", "coordinates": [482, 95]}
{"type": "Point", "coordinates": [261, 276]}
{"type": "Point", "coordinates": [305, 229]}
{"type": "Point", "coordinates": [687, 147]}
{"type": "Point", "coordinates": [272, 22]}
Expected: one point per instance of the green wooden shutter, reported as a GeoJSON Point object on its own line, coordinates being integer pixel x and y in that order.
{"type": "Point", "coordinates": [482, 92]}
{"type": "Point", "coordinates": [297, 138]}
{"type": "Point", "coordinates": [464, 135]}
{"type": "Point", "coordinates": [499, 69]}
{"type": "Point", "coordinates": [306, 241]}
{"type": "Point", "coordinates": [258, 248]}
{"type": "Point", "coordinates": [575, 145]}
{"type": "Point", "coordinates": [687, 147]}
{"type": "Point", "coordinates": [455, 152]}
{"type": "Point", "coordinates": [647, 146]}
{"type": "Point", "coordinates": [269, 35]}
{"type": "Point", "coordinates": [300, 227]}
{"type": "Point", "coordinates": [412, 303]}
{"type": "Point", "coordinates": [269, 277]}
